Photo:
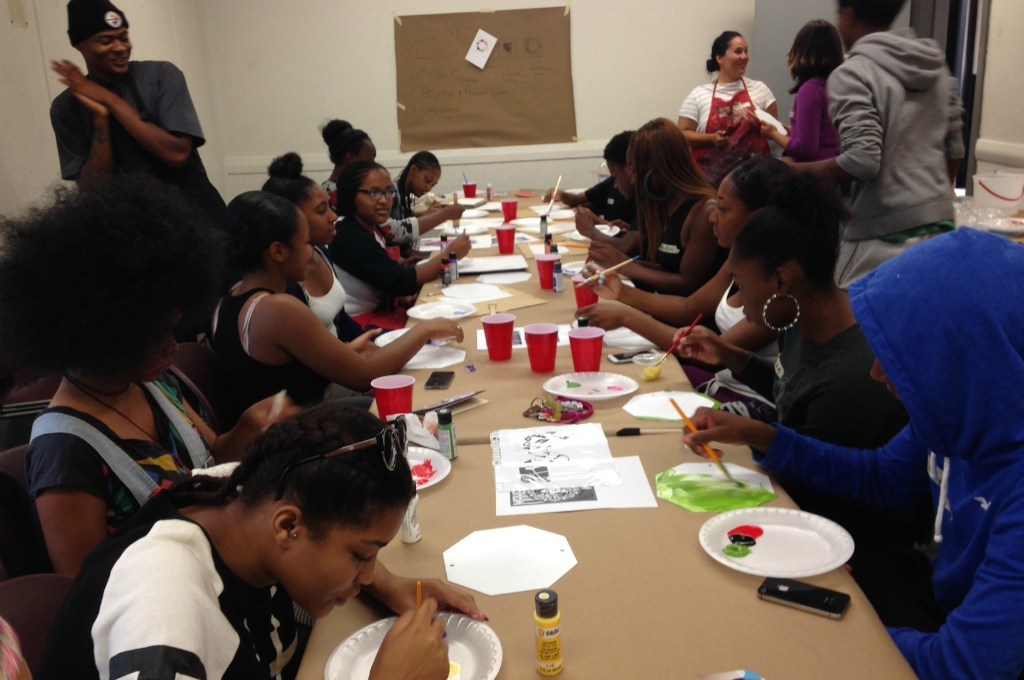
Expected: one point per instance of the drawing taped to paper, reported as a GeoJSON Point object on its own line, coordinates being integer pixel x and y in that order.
{"type": "Point", "coordinates": [553, 496]}
{"type": "Point", "coordinates": [481, 48]}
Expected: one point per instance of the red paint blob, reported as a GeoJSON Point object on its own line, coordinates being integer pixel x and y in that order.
{"type": "Point", "coordinates": [747, 530]}
{"type": "Point", "coordinates": [423, 472]}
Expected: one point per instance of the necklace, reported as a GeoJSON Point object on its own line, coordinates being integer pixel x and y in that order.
{"type": "Point", "coordinates": [88, 391]}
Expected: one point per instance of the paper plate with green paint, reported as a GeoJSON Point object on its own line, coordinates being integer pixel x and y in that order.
{"type": "Point", "coordinates": [591, 386]}
{"type": "Point", "coordinates": [701, 487]}
{"type": "Point", "coordinates": [789, 543]}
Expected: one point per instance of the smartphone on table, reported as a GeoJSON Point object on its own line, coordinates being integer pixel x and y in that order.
{"type": "Point", "coordinates": [626, 357]}
{"type": "Point", "coordinates": [439, 380]}
{"type": "Point", "coordinates": [804, 596]}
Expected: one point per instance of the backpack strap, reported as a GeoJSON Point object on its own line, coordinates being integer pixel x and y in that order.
{"type": "Point", "coordinates": [131, 474]}
{"type": "Point", "coordinates": [193, 442]}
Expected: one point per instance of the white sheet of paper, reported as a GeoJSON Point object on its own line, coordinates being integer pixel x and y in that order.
{"type": "Point", "coordinates": [634, 492]}
{"type": "Point", "coordinates": [549, 443]}
{"type": "Point", "coordinates": [766, 117]}
{"type": "Point", "coordinates": [509, 560]}
{"type": "Point", "coordinates": [481, 48]}
{"type": "Point", "coordinates": [656, 405]}
{"type": "Point", "coordinates": [436, 357]}
{"type": "Point", "coordinates": [429, 245]}
{"type": "Point", "coordinates": [507, 277]}
{"type": "Point", "coordinates": [626, 339]}
{"type": "Point", "coordinates": [497, 263]}
{"type": "Point", "coordinates": [475, 292]}
{"type": "Point", "coordinates": [519, 340]}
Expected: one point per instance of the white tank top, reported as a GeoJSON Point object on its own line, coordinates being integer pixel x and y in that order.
{"type": "Point", "coordinates": [727, 316]}
{"type": "Point", "coordinates": [327, 306]}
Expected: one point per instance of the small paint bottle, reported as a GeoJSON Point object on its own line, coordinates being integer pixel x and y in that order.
{"type": "Point", "coordinates": [446, 434]}
{"type": "Point", "coordinates": [411, 524]}
{"type": "Point", "coordinates": [582, 322]}
{"type": "Point", "coordinates": [544, 227]}
{"type": "Point", "coordinates": [554, 247]}
{"type": "Point", "coordinates": [446, 272]}
{"type": "Point", "coordinates": [453, 265]}
{"type": "Point", "coordinates": [556, 274]}
{"type": "Point", "coordinates": [548, 625]}
{"type": "Point", "coordinates": [488, 192]}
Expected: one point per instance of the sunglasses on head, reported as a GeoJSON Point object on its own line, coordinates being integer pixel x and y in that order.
{"type": "Point", "coordinates": [392, 441]}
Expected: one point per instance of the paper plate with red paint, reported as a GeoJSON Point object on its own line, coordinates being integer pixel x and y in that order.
{"type": "Point", "coordinates": [591, 386]}
{"type": "Point", "coordinates": [779, 542]}
{"type": "Point", "coordinates": [428, 466]}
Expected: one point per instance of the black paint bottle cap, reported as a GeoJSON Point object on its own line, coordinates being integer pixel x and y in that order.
{"type": "Point", "coordinates": [547, 603]}
{"type": "Point", "coordinates": [444, 416]}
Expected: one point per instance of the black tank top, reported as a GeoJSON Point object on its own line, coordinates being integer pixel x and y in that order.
{"type": "Point", "coordinates": [249, 380]}
{"type": "Point", "coordinates": [670, 252]}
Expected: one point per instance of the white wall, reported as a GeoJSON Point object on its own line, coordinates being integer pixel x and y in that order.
{"type": "Point", "coordinates": [277, 75]}
{"type": "Point", "coordinates": [168, 30]}
{"type": "Point", "coordinates": [1001, 138]}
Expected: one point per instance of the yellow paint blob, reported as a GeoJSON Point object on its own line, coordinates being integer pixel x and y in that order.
{"type": "Point", "coordinates": [651, 373]}
{"type": "Point", "coordinates": [454, 671]}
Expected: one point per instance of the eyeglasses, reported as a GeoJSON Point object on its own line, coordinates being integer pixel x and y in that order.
{"type": "Point", "coordinates": [392, 440]}
{"type": "Point", "coordinates": [376, 194]}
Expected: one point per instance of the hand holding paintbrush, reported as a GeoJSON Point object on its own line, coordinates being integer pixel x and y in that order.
{"type": "Point", "coordinates": [705, 450]}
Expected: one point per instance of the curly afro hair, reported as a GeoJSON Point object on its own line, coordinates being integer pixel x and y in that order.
{"type": "Point", "coordinates": [96, 280]}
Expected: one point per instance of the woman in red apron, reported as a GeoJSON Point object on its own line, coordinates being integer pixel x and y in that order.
{"type": "Point", "coordinates": [726, 110]}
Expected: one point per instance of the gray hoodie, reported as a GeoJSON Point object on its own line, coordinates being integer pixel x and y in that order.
{"type": "Point", "coordinates": [895, 106]}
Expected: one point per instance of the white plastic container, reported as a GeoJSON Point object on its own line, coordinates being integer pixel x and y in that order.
{"type": "Point", "coordinates": [1001, 190]}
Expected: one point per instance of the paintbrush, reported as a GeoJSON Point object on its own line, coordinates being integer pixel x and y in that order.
{"type": "Point", "coordinates": [554, 195]}
{"type": "Point", "coordinates": [419, 594]}
{"type": "Point", "coordinates": [636, 431]}
{"type": "Point", "coordinates": [676, 343]}
{"type": "Point", "coordinates": [710, 452]}
{"type": "Point", "coordinates": [601, 273]}
{"type": "Point", "coordinates": [465, 180]}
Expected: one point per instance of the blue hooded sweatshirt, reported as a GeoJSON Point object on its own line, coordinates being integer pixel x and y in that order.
{"type": "Point", "coordinates": [946, 321]}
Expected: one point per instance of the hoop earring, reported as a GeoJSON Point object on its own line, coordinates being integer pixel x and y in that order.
{"type": "Point", "coordinates": [647, 190]}
{"type": "Point", "coordinates": [295, 535]}
{"type": "Point", "coordinates": [764, 313]}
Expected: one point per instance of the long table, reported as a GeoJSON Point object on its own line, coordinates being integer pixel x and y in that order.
{"type": "Point", "coordinates": [645, 600]}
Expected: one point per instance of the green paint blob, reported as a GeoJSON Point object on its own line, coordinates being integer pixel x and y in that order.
{"type": "Point", "coordinates": [704, 493]}
{"type": "Point", "coordinates": [733, 550]}
{"type": "Point", "coordinates": [570, 383]}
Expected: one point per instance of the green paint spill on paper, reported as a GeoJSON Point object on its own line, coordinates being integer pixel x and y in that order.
{"type": "Point", "coordinates": [733, 550]}
{"type": "Point", "coordinates": [706, 493]}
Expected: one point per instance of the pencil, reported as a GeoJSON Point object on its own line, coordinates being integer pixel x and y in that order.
{"type": "Point", "coordinates": [598, 275]}
{"type": "Point", "coordinates": [690, 427]}
{"type": "Point", "coordinates": [419, 594]}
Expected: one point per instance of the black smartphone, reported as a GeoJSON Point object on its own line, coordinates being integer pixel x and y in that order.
{"type": "Point", "coordinates": [439, 380]}
{"type": "Point", "coordinates": [625, 357]}
{"type": "Point", "coordinates": [798, 595]}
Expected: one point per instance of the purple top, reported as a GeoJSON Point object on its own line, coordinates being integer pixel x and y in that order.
{"type": "Point", "coordinates": [811, 136]}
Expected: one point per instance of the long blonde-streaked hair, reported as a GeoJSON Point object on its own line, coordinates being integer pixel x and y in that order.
{"type": "Point", "coordinates": [659, 148]}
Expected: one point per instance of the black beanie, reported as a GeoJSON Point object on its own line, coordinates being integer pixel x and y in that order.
{"type": "Point", "coordinates": [86, 18]}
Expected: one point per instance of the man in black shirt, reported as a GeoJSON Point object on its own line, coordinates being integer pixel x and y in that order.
{"type": "Point", "coordinates": [126, 116]}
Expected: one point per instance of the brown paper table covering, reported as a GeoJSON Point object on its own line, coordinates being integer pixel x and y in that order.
{"type": "Point", "coordinates": [644, 601]}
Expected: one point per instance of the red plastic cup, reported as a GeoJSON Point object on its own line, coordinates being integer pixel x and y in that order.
{"type": "Point", "coordinates": [509, 209]}
{"type": "Point", "coordinates": [585, 344]}
{"type": "Point", "coordinates": [584, 294]}
{"type": "Point", "coordinates": [546, 270]}
{"type": "Point", "coordinates": [498, 332]}
{"type": "Point", "coordinates": [393, 394]}
{"type": "Point", "coordinates": [469, 190]}
{"type": "Point", "coordinates": [541, 345]}
{"type": "Point", "coordinates": [394, 252]}
{"type": "Point", "coordinates": [506, 238]}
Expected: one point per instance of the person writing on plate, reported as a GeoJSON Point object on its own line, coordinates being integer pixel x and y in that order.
{"type": "Point", "coordinates": [201, 583]}
{"type": "Point", "coordinates": [961, 614]}
{"type": "Point", "coordinates": [719, 119]}
{"type": "Point", "coordinates": [133, 117]}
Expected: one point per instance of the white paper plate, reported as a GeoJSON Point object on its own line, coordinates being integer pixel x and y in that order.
{"type": "Point", "coordinates": [494, 263]}
{"type": "Point", "coordinates": [465, 228]}
{"type": "Point", "coordinates": [473, 213]}
{"type": "Point", "coordinates": [472, 202]}
{"type": "Point", "coordinates": [385, 339]}
{"type": "Point", "coordinates": [505, 277]}
{"type": "Point", "coordinates": [595, 386]}
{"type": "Point", "coordinates": [493, 206]}
{"type": "Point", "coordinates": [543, 207]}
{"type": "Point", "coordinates": [603, 228]}
{"type": "Point", "coordinates": [794, 544]}
{"type": "Point", "coordinates": [532, 225]}
{"type": "Point", "coordinates": [471, 644]}
{"type": "Point", "coordinates": [444, 309]}
{"type": "Point", "coordinates": [441, 465]}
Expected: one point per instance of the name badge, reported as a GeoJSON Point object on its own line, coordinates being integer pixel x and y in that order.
{"type": "Point", "coordinates": [779, 371]}
{"type": "Point", "coordinates": [611, 201]}
{"type": "Point", "coordinates": [668, 248]}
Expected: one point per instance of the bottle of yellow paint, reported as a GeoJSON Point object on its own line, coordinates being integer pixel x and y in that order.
{"type": "Point", "coordinates": [548, 623]}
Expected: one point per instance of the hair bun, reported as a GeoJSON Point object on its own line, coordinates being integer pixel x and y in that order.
{"type": "Point", "coordinates": [288, 165]}
{"type": "Point", "coordinates": [711, 65]}
{"type": "Point", "coordinates": [803, 197]}
{"type": "Point", "coordinates": [334, 129]}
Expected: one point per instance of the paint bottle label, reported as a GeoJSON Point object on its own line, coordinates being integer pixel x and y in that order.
{"type": "Point", "coordinates": [446, 438]}
{"type": "Point", "coordinates": [557, 276]}
{"type": "Point", "coordinates": [549, 650]}
{"type": "Point", "coordinates": [411, 524]}
{"type": "Point", "coordinates": [446, 274]}
{"type": "Point", "coordinates": [453, 265]}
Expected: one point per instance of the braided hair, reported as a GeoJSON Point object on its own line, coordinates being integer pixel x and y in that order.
{"type": "Point", "coordinates": [424, 160]}
{"type": "Point", "coordinates": [346, 490]}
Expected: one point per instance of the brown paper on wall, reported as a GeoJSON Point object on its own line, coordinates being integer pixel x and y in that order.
{"type": "Point", "coordinates": [523, 95]}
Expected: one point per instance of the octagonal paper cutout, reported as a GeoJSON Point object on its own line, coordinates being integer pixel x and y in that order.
{"type": "Point", "coordinates": [509, 560]}
{"type": "Point", "coordinates": [656, 405]}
